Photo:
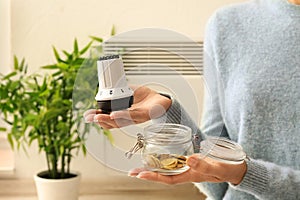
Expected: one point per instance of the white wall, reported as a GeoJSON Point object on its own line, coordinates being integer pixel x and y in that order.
{"type": "Point", "coordinates": [5, 58]}
{"type": "Point", "coordinates": [5, 34]}
{"type": "Point", "coordinates": [37, 25]}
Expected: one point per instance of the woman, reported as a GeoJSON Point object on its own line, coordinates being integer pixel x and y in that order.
{"type": "Point", "coordinates": [253, 74]}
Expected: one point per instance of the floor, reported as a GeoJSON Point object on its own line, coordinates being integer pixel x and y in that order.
{"type": "Point", "coordinates": [126, 189]}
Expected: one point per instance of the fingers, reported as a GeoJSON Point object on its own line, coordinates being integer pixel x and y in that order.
{"type": "Point", "coordinates": [202, 169]}
{"type": "Point", "coordinates": [134, 115]}
{"type": "Point", "coordinates": [194, 174]}
{"type": "Point", "coordinates": [204, 165]}
{"type": "Point", "coordinates": [135, 172]}
{"type": "Point", "coordinates": [122, 114]}
{"type": "Point", "coordinates": [214, 171]}
{"type": "Point", "coordinates": [143, 173]}
{"type": "Point", "coordinates": [106, 126]}
{"type": "Point", "coordinates": [166, 179]}
{"type": "Point", "coordinates": [122, 123]}
{"type": "Point", "coordinates": [189, 176]}
{"type": "Point", "coordinates": [122, 118]}
{"type": "Point", "coordinates": [91, 111]}
{"type": "Point", "coordinates": [139, 115]}
{"type": "Point", "coordinates": [90, 114]}
{"type": "Point", "coordinates": [193, 161]}
{"type": "Point", "coordinates": [105, 121]}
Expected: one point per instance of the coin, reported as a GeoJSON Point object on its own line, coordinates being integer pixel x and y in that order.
{"type": "Point", "coordinates": [165, 161]}
{"type": "Point", "coordinates": [169, 163]}
{"type": "Point", "coordinates": [153, 162]}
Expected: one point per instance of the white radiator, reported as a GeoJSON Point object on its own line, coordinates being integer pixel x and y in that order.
{"type": "Point", "coordinates": [174, 67]}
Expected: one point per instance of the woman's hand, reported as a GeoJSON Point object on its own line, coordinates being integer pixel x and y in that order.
{"type": "Point", "coordinates": [147, 104]}
{"type": "Point", "coordinates": [202, 169]}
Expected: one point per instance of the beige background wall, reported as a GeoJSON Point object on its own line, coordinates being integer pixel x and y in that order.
{"type": "Point", "coordinates": [37, 25]}
{"type": "Point", "coordinates": [5, 35]}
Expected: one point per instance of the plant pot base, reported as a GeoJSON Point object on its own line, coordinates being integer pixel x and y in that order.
{"type": "Point", "coordinates": [58, 189]}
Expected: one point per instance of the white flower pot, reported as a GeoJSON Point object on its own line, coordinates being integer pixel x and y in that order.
{"type": "Point", "coordinates": [58, 189]}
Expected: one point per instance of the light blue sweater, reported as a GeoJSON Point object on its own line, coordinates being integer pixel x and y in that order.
{"type": "Point", "coordinates": [253, 74]}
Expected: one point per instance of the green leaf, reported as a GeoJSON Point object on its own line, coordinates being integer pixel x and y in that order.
{"type": "Point", "coordinates": [25, 69]}
{"type": "Point", "coordinates": [51, 114]}
{"type": "Point", "coordinates": [113, 31]}
{"type": "Point", "coordinates": [62, 66]}
{"type": "Point", "coordinates": [96, 39]}
{"type": "Point", "coordinates": [29, 118]}
{"type": "Point", "coordinates": [56, 73]}
{"type": "Point", "coordinates": [3, 129]}
{"type": "Point", "coordinates": [109, 136]}
{"type": "Point", "coordinates": [49, 67]}
{"type": "Point", "coordinates": [66, 53]}
{"type": "Point", "coordinates": [56, 54]}
{"type": "Point", "coordinates": [10, 140]}
{"type": "Point", "coordinates": [9, 75]}
{"type": "Point", "coordinates": [23, 148]}
{"type": "Point", "coordinates": [44, 93]}
{"type": "Point", "coordinates": [86, 48]}
{"type": "Point", "coordinates": [16, 63]}
{"type": "Point", "coordinates": [32, 138]}
{"type": "Point", "coordinates": [76, 47]}
{"type": "Point", "coordinates": [14, 85]}
{"type": "Point", "coordinates": [44, 85]}
{"type": "Point", "coordinates": [22, 64]}
{"type": "Point", "coordinates": [78, 61]}
{"type": "Point", "coordinates": [62, 149]}
{"type": "Point", "coordinates": [84, 151]}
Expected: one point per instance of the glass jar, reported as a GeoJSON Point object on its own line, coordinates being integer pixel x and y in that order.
{"type": "Point", "coordinates": [165, 148]}
{"type": "Point", "coordinates": [222, 150]}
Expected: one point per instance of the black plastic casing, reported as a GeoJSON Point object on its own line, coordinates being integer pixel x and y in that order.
{"type": "Point", "coordinates": [108, 106]}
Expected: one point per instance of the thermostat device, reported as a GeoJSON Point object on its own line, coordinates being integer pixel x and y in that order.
{"type": "Point", "coordinates": [114, 92]}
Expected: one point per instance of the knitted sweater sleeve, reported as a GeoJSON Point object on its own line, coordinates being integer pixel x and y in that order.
{"type": "Point", "coordinates": [267, 180]}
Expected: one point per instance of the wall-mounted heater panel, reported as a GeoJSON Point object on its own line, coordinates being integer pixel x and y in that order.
{"type": "Point", "coordinates": [174, 67]}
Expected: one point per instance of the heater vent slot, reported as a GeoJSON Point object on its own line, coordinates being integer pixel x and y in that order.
{"type": "Point", "coordinates": [158, 57]}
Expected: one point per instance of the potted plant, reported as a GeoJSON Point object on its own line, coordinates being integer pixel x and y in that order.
{"type": "Point", "coordinates": [40, 108]}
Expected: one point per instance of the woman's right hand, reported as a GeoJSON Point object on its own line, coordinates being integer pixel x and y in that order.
{"type": "Point", "coordinates": [147, 104]}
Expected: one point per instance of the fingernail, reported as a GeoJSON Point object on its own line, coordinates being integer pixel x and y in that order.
{"type": "Point", "coordinates": [95, 119]}
{"type": "Point", "coordinates": [131, 175]}
{"type": "Point", "coordinates": [139, 177]}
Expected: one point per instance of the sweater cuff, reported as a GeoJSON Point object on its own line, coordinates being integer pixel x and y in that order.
{"type": "Point", "coordinates": [255, 180]}
{"type": "Point", "coordinates": [173, 114]}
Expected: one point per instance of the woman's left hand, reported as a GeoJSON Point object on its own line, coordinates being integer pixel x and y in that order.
{"type": "Point", "coordinates": [202, 169]}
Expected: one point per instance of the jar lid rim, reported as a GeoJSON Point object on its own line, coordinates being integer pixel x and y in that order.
{"type": "Point", "coordinates": [222, 148]}
{"type": "Point", "coordinates": [167, 133]}
{"type": "Point", "coordinates": [163, 125]}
